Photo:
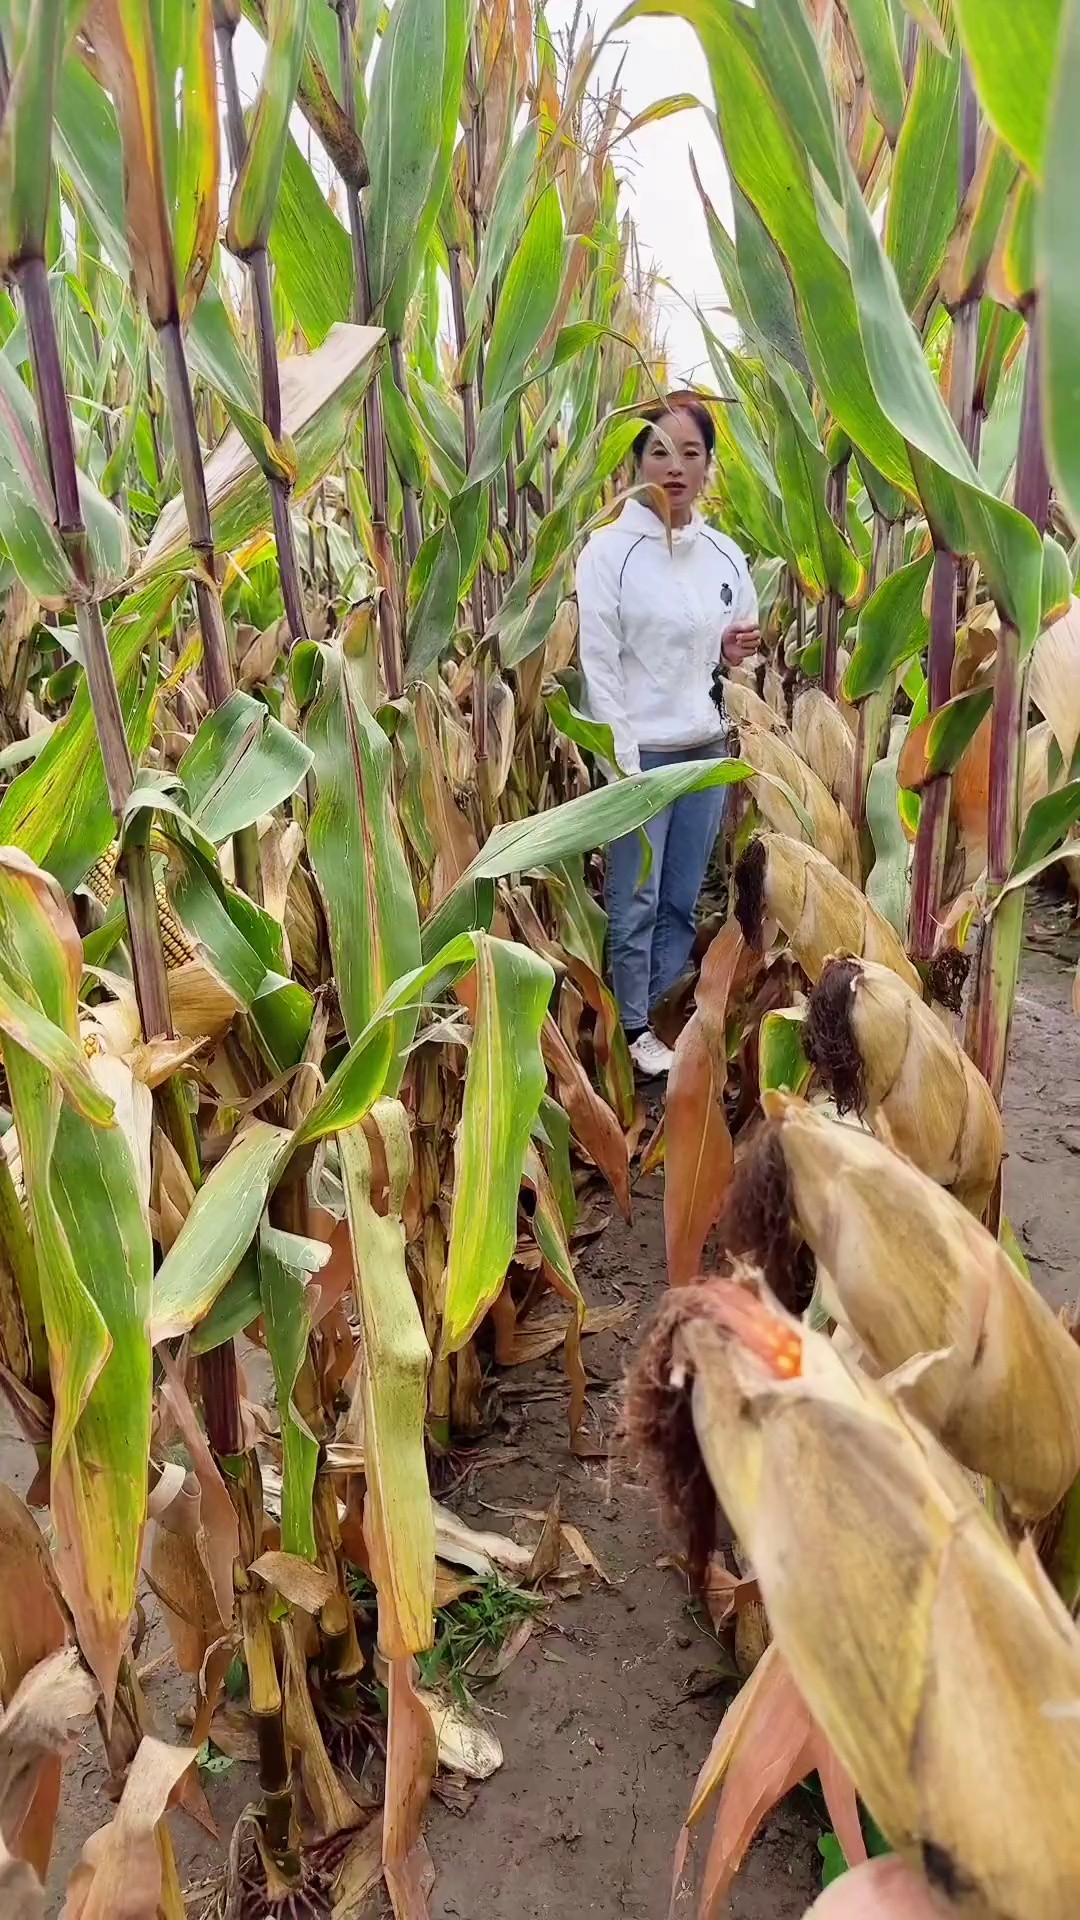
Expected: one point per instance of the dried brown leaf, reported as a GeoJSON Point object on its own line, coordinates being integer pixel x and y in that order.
{"type": "Point", "coordinates": [298, 1582]}
{"type": "Point", "coordinates": [119, 1873]}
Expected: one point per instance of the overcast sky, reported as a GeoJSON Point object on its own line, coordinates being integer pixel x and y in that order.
{"type": "Point", "coordinates": [660, 57]}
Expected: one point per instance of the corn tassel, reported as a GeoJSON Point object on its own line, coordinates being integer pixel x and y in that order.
{"type": "Point", "coordinates": [940, 1666]}
{"type": "Point", "coordinates": [881, 1051]}
{"type": "Point", "coordinates": [913, 1277]}
{"type": "Point", "coordinates": [820, 912]}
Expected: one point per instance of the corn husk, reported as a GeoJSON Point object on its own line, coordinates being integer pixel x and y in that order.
{"type": "Point", "coordinates": [908, 1271]}
{"type": "Point", "coordinates": [742, 703]}
{"type": "Point", "coordinates": [940, 1666]}
{"type": "Point", "coordinates": [922, 1093]}
{"type": "Point", "coordinates": [821, 913]}
{"type": "Point", "coordinates": [822, 736]}
{"type": "Point", "coordinates": [560, 647]}
{"type": "Point", "coordinates": [833, 833]}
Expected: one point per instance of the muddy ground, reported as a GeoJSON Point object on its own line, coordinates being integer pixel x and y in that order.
{"type": "Point", "coordinates": [607, 1713]}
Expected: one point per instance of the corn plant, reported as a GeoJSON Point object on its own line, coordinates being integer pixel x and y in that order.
{"type": "Point", "coordinates": [302, 976]}
{"type": "Point", "coordinates": [892, 450]}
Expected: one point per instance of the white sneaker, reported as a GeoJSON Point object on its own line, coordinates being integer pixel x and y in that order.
{"type": "Point", "coordinates": [650, 1056]}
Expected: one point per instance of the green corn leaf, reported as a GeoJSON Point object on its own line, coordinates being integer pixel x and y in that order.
{"type": "Point", "coordinates": [399, 1525]}
{"type": "Point", "coordinates": [27, 518]}
{"type": "Point", "coordinates": [822, 558]}
{"type": "Point", "coordinates": [972, 246]}
{"type": "Point", "coordinates": [358, 1081]}
{"type": "Point", "coordinates": [526, 300]}
{"type": "Point", "coordinates": [1006, 544]}
{"type": "Point", "coordinates": [311, 250]}
{"type": "Point", "coordinates": [91, 1235]}
{"type": "Point", "coordinates": [888, 884]}
{"type": "Point", "coordinates": [503, 1085]}
{"type": "Point", "coordinates": [1041, 842]}
{"type": "Point", "coordinates": [409, 138]}
{"type": "Point", "coordinates": [243, 946]}
{"type": "Point", "coordinates": [552, 1130]}
{"type": "Point", "coordinates": [953, 728]}
{"type": "Point", "coordinates": [158, 64]}
{"type": "Point", "coordinates": [218, 1231]}
{"type": "Point", "coordinates": [594, 819]}
{"type": "Point", "coordinates": [287, 1318]}
{"type": "Point", "coordinates": [782, 1065]}
{"type": "Point", "coordinates": [237, 1305]}
{"type": "Point", "coordinates": [241, 764]}
{"type": "Point", "coordinates": [1059, 270]}
{"type": "Point", "coordinates": [34, 34]}
{"type": "Point", "coordinates": [37, 933]}
{"type": "Point", "coordinates": [923, 190]}
{"type": "Point", "coordinates": [255, 189]}
{"type": "Point", "coordinates": [356, 849]}
{"type": "Point", "coordinates": [1013, 52]}
{"type": "Point", "coordinates": [873, 24]}
{"type": "Point", "coordinates": [892, 626]}
{"type": "Point", "coordinates": [557, 1265]}
{"type": "Point", "coordinates": [765, 284]}
{"type": "Point", "coordinates": [508, 215]}
{"type": "Point", "coordinates": [593, 735]}
{"type": "Point", "coordinates": [58, 810]}
{"type": "Point", "coordinates": [319, 88]}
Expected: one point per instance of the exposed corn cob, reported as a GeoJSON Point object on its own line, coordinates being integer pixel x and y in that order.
{"type": "Point", "coordinates": [882, 1052]}
{"type": "Point", "coordinates": [908, 1271]}
{"type": "Point", "coordinates": [824, 739]}
{"type": "Point", "coordinates": [833, 833]}
{"type": "Point", "coordinates": [940, 1666]}
{"type": "Point", "coordinates": [101, 882]}
{"type": "Point", "coordinates": [820, 912]}
{"type": "Point", "coordinates": [101, 879]}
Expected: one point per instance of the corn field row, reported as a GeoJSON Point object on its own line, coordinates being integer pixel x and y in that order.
{"type": "Point", "coordinates": [305, 411]}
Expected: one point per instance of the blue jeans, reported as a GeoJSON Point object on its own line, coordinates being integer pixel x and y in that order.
{"type": "Point", "coordinates": [651, 927]}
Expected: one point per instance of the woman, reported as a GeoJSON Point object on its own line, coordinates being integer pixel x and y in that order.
{"type": "Point", "coordinates": [657, 617]}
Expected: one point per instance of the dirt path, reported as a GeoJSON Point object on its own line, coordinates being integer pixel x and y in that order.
{"type": "Point", "coordinates": [602, 1743]}
{"type": "Point", "coordinates": [603, 1718]}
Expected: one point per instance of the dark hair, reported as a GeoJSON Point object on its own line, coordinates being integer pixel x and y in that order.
{"type": "Point", "coordinates": [676, 403]}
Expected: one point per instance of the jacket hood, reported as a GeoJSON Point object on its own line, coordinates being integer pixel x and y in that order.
{"type": "Point", "coordinates": [636, 517]}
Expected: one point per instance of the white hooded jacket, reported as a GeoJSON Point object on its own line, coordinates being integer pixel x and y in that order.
{"type": "Point", "coordinates": [651, 621]}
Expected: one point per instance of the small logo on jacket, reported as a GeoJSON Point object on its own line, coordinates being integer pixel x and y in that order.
{"type": "Point", "coordinates": [726, 596]}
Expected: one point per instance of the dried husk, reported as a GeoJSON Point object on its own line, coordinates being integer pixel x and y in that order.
{"type": "Point", "coordinates": [833, 834]}
{"type": "Point", "coordinates": [821, 734]}
{"type": "Point", "coordinates": [941, 1667]}
{"type": "Point", "coordinates": [821, 913]}
{"type": "Point", "coordinates": [911, 1274]}
{"type": "Point", "coordinates": [741, 704]}
{"type": "Point", "coordinates": [919, 1090]}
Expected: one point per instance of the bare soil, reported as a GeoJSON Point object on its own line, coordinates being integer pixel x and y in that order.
{"type": "Point", "coordinates": [607, 1713]}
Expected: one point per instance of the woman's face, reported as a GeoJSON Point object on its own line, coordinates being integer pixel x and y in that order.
{"type": "Point", "coordinates": [676, 460]}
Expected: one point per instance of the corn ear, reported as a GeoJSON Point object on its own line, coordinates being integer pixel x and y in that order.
{"type": "Point", "coordinates": [910, 1273]}
{"type": "Point", "coordinates": [742, 704]}
{"type": "Point", "coordinates": [819, 911]}
{"type": "Point", "coordinates": [881, 1050]}
{"type": "Point", "coordinates": [833, 834]}
{"type": "Point", "coordinates": [921, 1644]}
{"type": "Point", "coordinates": [821, 734]}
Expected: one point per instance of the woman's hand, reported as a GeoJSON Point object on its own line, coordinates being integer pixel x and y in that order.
{"type": "Point", "coordinates": [738, 643]}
